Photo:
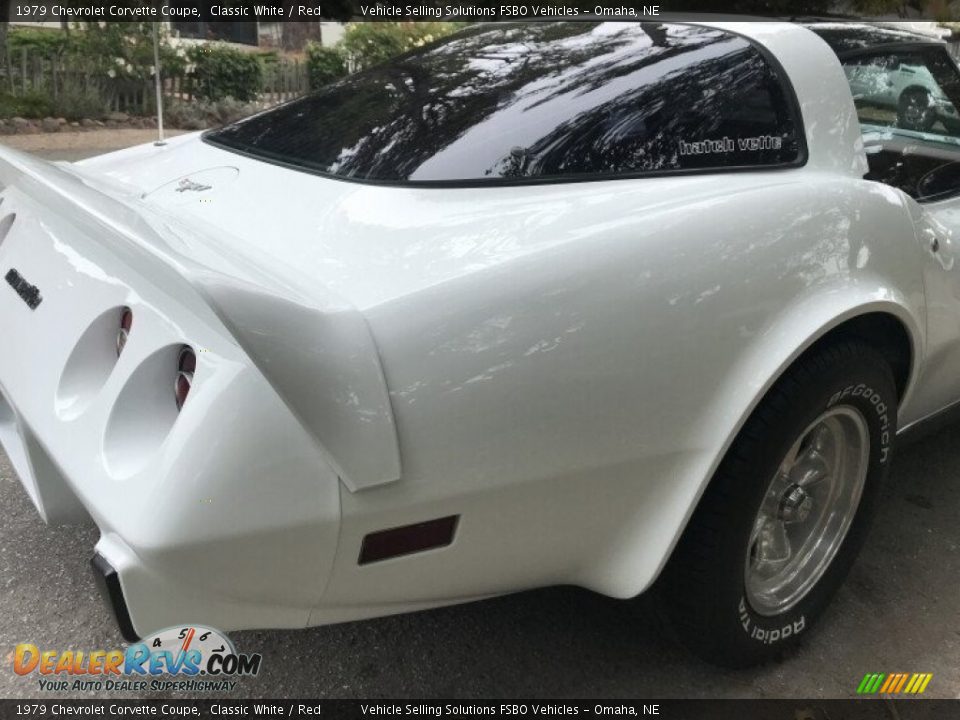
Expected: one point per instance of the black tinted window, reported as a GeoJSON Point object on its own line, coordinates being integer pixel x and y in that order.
{"type": "Point", "coordinates": [540, 100]}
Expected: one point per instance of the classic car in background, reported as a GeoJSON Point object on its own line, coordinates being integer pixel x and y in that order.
{"type": "Point", "coordinates": [624, 306]}
{"type": "Point", "coordinates": [904, 84]}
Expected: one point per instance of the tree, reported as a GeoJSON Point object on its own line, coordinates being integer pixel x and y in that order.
{"type": "Point", "coordinates": [4, 22]}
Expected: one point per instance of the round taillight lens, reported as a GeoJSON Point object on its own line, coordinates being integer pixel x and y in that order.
{"type": "Point", "coordinates": [123, 332]}
{"type": "Point", "coordinates": [186, 366]}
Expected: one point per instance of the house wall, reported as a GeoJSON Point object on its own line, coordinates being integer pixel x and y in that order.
{"type": "Point", "coordinates": [332, 33]}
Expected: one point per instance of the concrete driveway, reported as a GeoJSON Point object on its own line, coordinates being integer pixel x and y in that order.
{"type": "Point", "coordinates": [898, 612]}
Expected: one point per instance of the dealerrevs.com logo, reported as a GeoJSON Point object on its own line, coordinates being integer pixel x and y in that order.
{"type": "Point", "coordinates": [191, 658]}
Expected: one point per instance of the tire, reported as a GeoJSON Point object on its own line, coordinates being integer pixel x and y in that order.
{"type": "Point", "coordinates": [719, 590]}
{"type": "Point", "coordinates": [916, 110]}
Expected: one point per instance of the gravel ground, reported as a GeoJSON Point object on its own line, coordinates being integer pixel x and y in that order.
{"type": "Point", "coordinates": [74, 146]}
{"type": "Point", "coordinates": [898, 612]}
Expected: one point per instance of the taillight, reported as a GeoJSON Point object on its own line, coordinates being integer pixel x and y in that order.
{"type": "Point", "coordinates": [123, 332]}
{"type": "Point", "coordinates": [186, 366]}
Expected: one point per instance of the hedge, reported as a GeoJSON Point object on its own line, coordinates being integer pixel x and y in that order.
{"type": "Point", "coordinates": [222, 71]}
{"type": "Point", "coordinates": [324, 65]}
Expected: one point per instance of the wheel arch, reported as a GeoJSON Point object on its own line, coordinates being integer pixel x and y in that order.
{"type": "Point", "coordinates": [888, 325]}
{"type": "Point", "coordinates": [892, 325]}
{"type": "Point", "coordinates": [884, 332]}
{"type": "Point", "coordinates": [914, 86]}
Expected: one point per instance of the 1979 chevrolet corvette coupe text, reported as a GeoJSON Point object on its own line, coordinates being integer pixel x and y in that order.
{"type": "Point", "coordinates": [622, 306]}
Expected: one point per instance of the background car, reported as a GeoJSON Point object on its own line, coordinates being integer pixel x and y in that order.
{"type": "Point", "coordinates": [886, 81]}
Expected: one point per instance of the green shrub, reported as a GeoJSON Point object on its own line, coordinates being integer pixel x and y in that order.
{"type": "Point", "coordinates": [371, 43]}
{"type": "Point", "coordinates": [118, 58]}
{"type": "Point", "coordinates": [77, 103]}
{"type": "Point", "coordinates": [324, 65]}
{"type": "Point", "coordinates": [30, 105]}
{"type": "Point", "coordinates": [122, 51]}
{"type": "Point", "coordinates": [185, 115]}
{"type": "Point", "coordinates": [72, 103]}
{"type": "Point", "coordinates": [202, 114]}
{"type": "Point", "coordinates": [222, 71]}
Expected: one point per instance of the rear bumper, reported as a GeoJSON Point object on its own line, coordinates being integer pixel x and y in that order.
{"type": "Point", "coordinates": [108, 583]}
{"type": "Point", "coordinates": [225, 513]}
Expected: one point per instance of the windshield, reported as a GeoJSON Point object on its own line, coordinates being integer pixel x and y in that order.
{"type": "Point", "coordinates": [539, 101]}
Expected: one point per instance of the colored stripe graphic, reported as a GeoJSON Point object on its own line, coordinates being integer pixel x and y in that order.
{"type": "Point", "coordinates": [870, 683]}
{"type": "Point", "coordinates": [890, 686]}
{"type": "Point", "coordinates": [910, 685]}
{"type": "Point", "coordinates": [894, 683]}
{"type": "Point", "coordinates": [903, 681]}
{"type": "Point", "coordinates": [919, 683]}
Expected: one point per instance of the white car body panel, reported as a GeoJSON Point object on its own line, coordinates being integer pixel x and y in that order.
{"type": "Point", "coordinates": [563, 366]}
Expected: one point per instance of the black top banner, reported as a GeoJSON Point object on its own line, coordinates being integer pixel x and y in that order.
{"type": "Point", "coordinates": [480, 10]}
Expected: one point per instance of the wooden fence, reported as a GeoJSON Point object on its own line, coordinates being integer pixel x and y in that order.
{"type": "Point", "coordinates": [284, 80]}
{"type": "Point", "coordinates": [69, 77]}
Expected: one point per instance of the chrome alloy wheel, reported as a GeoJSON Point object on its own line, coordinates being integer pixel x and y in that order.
{"type": "Point", "coordinates": [914, 112]}
{"type": "Point", "coordinates": [807, 510]}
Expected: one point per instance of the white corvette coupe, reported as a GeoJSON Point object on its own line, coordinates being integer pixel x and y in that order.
{"type": "Point", "coordinates": [623, 306]}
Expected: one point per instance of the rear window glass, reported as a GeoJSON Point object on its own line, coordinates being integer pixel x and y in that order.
{"type": "Point", "coordinates": [540, 101]}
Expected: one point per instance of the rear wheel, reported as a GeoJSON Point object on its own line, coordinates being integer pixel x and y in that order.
{"type": "Point", "coordinates": [783, 519]}
{"type": "Point", "coordinates": [916, 109]}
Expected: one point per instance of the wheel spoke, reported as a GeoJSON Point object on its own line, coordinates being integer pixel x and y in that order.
{"type": "Point", "coordinates": [807, 510]}
{"type": "Point", "coordinates": [816, 461]}
{"type": "Point", "coordinates": [772, 549]}
{"type": "Point", "coordinates": [811, 469]}
{"type": "Point", "coordinates": [822, 437]}
{"type": "Point", "coordinates": [781, 481]}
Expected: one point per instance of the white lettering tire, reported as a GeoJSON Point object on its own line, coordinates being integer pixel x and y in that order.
{"type": "Point", "coordinates": [786, 513]}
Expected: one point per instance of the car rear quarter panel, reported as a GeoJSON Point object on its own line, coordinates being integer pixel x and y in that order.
{"type": "Point", "coordinates": [572, 401]}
